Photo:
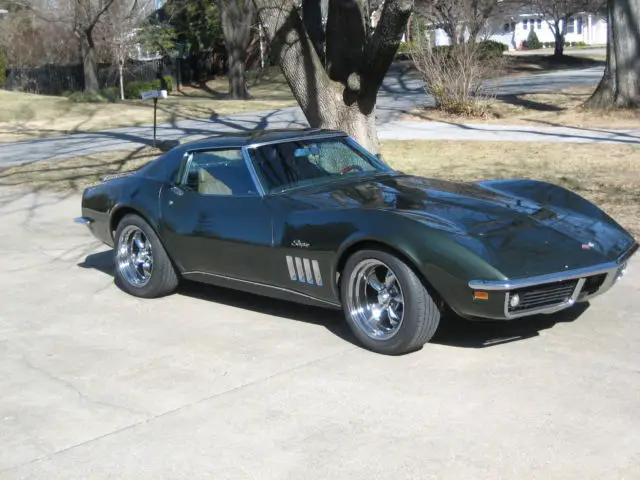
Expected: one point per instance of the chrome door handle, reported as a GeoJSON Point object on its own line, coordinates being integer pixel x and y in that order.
{"type": "Point", "coordinates": [177, 190]}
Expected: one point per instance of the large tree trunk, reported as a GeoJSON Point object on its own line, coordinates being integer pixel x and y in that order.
{"type": "Point", "coordinates": [236, 17]}
{"type": "Point", "coordinates": [89, 63]}
{"type": "Point", "coordinates": [238, 74]}
{"type": "Point", "coordinates": [343, 96]}
{"type": "Point", "coordinates": [558, 50]}
{"type": "Point", "coordinates": [559, 35]}
{"type": "Point", "coordinates": [620, 84]}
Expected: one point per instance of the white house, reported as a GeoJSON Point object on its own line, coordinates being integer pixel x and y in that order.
{"type": "Point", "coordinates": [513, 30]}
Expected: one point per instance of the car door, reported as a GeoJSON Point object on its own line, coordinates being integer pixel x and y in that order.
{"type": "Point", "coordinates": [214, 219]}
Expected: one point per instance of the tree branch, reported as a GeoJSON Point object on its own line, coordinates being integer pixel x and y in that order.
{"type": "Point", "coordinates": [302, 68]}
{"type": "Point", "coordinates": [96, 18]}
{"type": "Point", "coordinates": [312, 18]}
{"type": "Point", "coordinates": [383, 45]}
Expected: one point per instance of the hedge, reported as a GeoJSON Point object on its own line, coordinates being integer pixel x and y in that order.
{"type": "Point", "coordinates": [133, 90]}
{"type": "Point", "coordinates": [491, 49]}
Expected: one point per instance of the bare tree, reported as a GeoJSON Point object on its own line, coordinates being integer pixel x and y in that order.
{"type": "Point", "coordinates": [335, 79]}
{"type": "Point", "coordinates": [117, 29]}
{"type": "Point", "coordinates": [87, 14]}
{"type": "Point", "coordinates": [237, 19]}
{"type": "Point", "coordinates": [620, 84]}
{"type": "Point", "coordinates": [83, 16]}
{"type": "Point", "coordinates": [461, 20]}
{"type": "Point", "coordinates": [29, 40]}
{"type": "Point", "coordinates": [557, 14]}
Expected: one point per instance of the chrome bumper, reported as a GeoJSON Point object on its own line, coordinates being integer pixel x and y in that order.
{"type": "Point", "coordinates": [612, 271]}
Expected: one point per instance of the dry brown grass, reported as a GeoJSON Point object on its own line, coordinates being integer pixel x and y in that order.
{"type": "Point", "coordinates": [608, 175]}
{"type": "Point", "coordinates": [25, 116]}
{"type": "Point", "coordinates": [562, 108]}
{"type": "Point", "coordinates": [517, 63]}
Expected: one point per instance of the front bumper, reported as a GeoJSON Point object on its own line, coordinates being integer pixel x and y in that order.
{"type": "Point", "coordinates": [546, 294]}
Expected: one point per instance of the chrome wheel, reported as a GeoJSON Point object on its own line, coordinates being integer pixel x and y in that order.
{"type": "Point", "coordinates": [375, 301]}
{"type": "Point", "coordinates": [134, 256]}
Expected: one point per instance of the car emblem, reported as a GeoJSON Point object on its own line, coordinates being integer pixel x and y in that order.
{"type": "Point", "coordinates": [300, 244]}
{"type": "Point", "coordinates": [587, 246]}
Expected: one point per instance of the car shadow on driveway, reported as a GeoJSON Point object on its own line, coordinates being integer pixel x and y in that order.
{"type": "Point", "coordinates": [458, 332]}
{"type": "Point", "coordinates": [454, 331]}
{"type": "Point", "coordinates": [327, 318]}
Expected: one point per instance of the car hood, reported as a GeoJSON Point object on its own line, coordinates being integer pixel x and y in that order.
{"type": "Point", "coordinates": [518, 236]}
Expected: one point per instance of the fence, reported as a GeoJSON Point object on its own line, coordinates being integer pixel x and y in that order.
{"type": "Point", "coordinates": [59, 79]}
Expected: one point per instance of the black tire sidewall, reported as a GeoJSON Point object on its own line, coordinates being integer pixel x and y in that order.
{"type": "Point", "coordinates": [414, 294]}
{"type": "Point", "coordinates": [161, 263]}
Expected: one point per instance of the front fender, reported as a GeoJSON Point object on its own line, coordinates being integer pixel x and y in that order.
{"type": "Point", "coordinates": [446, 260]}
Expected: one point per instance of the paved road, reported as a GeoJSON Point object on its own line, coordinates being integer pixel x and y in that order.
{"type": "Point", "coordinates": [398, 94]}
{"type": "Point", "coordinates": [211, 383]}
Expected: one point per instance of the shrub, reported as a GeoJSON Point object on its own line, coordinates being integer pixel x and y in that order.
{"type": "Point", "coordinates": [82, 97]}
{"type": "Point", "coordinates": [112, 94]}
{"type": "Point", "coordinates": [533, 43]}
{"type": "Point", "coordinates": [132, 90]}
{"type": "Point", "coordinates": [3, 68]}
{"type": "Point", "coordinates": [454, 76]}
{"type": "Point", "coordinates": [490, 49]}
{"type": "Point", "coordinates": [169, 83]}
{"type": "Point", "coordinates": [404, 50]}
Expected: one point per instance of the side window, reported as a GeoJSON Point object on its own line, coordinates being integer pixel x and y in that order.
{"type": "Point", "coordinates": [219, 172]}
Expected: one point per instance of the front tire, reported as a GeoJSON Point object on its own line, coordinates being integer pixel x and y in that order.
{"type": "Point", "coordinates": [386, 305]}
{"type": "Point", "coordinates": [142, 266]}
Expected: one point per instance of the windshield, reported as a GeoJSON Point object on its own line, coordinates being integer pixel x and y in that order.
{"type": "Point", "coordinates": [286, 165]}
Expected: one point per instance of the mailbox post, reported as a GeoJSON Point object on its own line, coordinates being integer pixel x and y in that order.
{"type": "Point", "coordinates": [155, 95]}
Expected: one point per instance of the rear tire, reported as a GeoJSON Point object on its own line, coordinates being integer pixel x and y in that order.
{"type": "Point", "coordinates": [386, 305]}
{"type": "Point", "coordinates": [142, 266]}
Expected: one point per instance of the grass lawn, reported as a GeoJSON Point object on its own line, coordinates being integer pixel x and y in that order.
{"type": "Point", "coordinates": [521, 64]}
{"type": "Point", "coordinates": [24, 115]}
{"type": "Point", "coordinates": [561, 108]}
{"type": "Point", "coordinates": [608, 175]}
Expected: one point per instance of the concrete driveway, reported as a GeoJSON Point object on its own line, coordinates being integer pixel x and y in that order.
{"type": "Point", "coordinates": [209, 383]}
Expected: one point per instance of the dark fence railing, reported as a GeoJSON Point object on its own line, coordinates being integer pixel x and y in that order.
{"type": "Point", "coordinates": [58, 79]}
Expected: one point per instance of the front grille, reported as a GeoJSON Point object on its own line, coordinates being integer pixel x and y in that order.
{"type": "Point", "coordinates": [542, 296]}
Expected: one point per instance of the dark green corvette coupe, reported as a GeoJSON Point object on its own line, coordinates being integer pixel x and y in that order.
{"type": "Point", "coordinates": [310, 216]}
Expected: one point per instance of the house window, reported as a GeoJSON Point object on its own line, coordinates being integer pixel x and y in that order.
{"type": "Point", "coordinates": [580, 25]}
{"type": "Point", "coordinates": [525, 24]}
{"type": "Point", "coordinates": [539, 22]}
{"type": "Point", "coordinates": [571, 26]}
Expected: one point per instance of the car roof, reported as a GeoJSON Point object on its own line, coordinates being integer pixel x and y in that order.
{"type": "Point", "coordinates": [167, 165]}
{"type": "Point", "coordinates": [243, 139]}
